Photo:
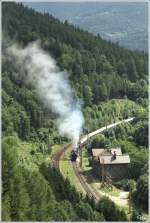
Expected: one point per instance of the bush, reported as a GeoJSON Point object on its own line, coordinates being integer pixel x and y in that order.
{"type": "Point", "coordinates": [110, 211]}
{"type": "Point", "coordinates": [83, 211]}
{"type": "Point", "coordinates": [136, 216]}
{"type": "Point", "coordinates": [140, 196]}
{"type": "Point", "coordinates": [90, 161]}
{"type": "Point", "coordinates": [126, 184]}
{"type": "Point", "coordinates": [122, 184]}
{"type": "Point", "coordinates": [32, 152]}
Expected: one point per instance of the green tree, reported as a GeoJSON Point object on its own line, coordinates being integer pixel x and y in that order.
{"type": "Point", "coordinates": [87, 94]}
{"type": "Point", "coordinates": [131, 70]}
{"type": "Point", "coordinates": [141, 195]}
{"type": "Point", "coordinates": [141, 134]}
{"type": "Point", "coordinates": [84, 212]}
{"type": "Point", "coordinates": [13, 182]}
{"type": "Point", "coordinates": [110, 211]}
{"type": "Point", "coordinates": [6, 210]}
{"type": "Point", "coordinates": [121, 68]}
{"type": "Point", "coordinates": [66, 61]}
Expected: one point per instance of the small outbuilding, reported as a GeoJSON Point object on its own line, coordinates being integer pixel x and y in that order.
{"type": "Point", "coordinates": [110, 163]}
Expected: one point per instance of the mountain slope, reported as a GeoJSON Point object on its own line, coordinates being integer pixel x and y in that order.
{"type": "Point", "coordinates": [125, 23]}
{"type": "Point", "coordinates": [81, 53]}
{"type": "Point", "coordinates": [99, 71]}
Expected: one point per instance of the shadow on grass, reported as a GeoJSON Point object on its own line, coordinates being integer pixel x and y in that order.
{"type": "Point", "coordinates": [90, 177]}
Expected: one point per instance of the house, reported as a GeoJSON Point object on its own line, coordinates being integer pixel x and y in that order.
{"type": "Point", "coordinates": [110, 163]}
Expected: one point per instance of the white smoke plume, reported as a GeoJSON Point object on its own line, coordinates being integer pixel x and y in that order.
{"type": "Point", "coordinates": [52, 86]}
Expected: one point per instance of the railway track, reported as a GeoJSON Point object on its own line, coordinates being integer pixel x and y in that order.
{"type": "Point", "coordinates": [56, 158]}
{"type": "Point", "coordinates": [91, 192]}
{"type": "Point", "coordinates": [55, 163]}
{"type": "Point", "coordinates": [88, 189]}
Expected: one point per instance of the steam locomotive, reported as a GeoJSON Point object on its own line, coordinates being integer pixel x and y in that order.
{"type": "Point", "coordinates": [74, 153]}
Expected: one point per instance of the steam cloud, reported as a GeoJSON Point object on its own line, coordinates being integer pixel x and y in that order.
{"type": "Point", "coordinates": [52, 86]}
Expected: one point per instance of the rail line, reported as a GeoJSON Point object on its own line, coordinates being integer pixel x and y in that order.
{"type": "Point", "coordinates": [87, 188]}
{"type": "Point", "coordinates": [91, 192]}
{"type": "Point", "coordinates": [56, 158]}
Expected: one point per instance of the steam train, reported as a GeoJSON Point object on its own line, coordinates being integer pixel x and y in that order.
{"type": "Point", "coordinates": [75, 152]}
{"type": "Point", "coordinates": [73, 155]}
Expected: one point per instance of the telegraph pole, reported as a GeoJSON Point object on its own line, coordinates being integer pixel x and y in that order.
{"type": "Point", "coordinates": [130, 205]}
{"type": "Point", "coordinates": [103, 173]}
{"type": "Point", "coordinates": [81, 158]}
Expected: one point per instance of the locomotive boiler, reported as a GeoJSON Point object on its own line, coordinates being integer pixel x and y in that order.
{"type": "Point", "coordinates": [75, 153]}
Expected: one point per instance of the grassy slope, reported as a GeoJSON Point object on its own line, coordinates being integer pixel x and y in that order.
{"type": "Point", "coordinates": [68, 172]}
{"type": "Point", "coordinates": [32, 162]}
{"type": "Point", "coordinates": [27, 160]}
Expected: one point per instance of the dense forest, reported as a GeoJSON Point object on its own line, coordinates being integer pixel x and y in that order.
{"type": "Point", "coordinates": [110, 20]}
{"type": "Point", "coordinates": [111, 81]}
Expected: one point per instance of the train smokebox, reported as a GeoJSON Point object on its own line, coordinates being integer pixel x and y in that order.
{"type": "Point", "coordinates": [73, 155]}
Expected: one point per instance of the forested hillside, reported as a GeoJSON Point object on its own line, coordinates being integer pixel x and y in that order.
{"type": "Point", "coordinates": [122, 22]}
{"type": "Point", "coordinates": [112, 83]}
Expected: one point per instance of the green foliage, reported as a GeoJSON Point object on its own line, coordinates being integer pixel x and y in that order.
{"type": "Point", "coordinates": [131, 69]}
{"type": "Point", "coordinates": [64, 212]}
{"type": "Point", "coordinates": [111, 71]}
{"type": "Point", "coordinates": [84, 211]}
{"type": "Point", "coordinates": [126, 184]}
{"type": "Point", "coordinates": [63, 189]}
{"type": "Point", "coordinates": [13, 183]}
{"type": "Point", "coordinates": [100, 142]}
{"type": "Point", "coordinates": [141, 134]}
{"type": "Point", "coordinates": [87, 94]}
{"type": "Point", "coordinates": [109, 112]}
{"type": "Point", "coordinates": [110, 211]}
{"type": "Point", "coordinates": [135, 216]}
{"type": "Point", "coordinates": [6, 210]}
{"type": "Point", "coordinates": [139, 158]}
{"type": "Point", "coordinates": [140, 197]}
{"type": "Point", "coordinates": [34, 196]}
{"type": "Point", "coordinates": [24, 114]}
{"type": "Point", "coordinates": [99, 71]}
{"type": "Point", "coordinates": [15, 119]}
